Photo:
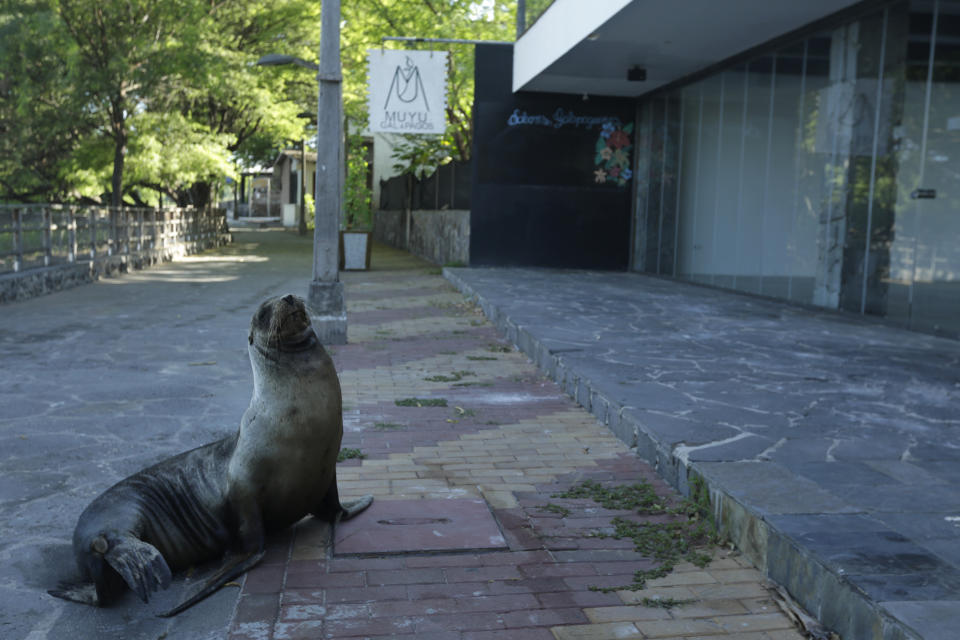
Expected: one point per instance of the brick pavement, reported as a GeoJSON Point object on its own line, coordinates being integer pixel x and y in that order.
{"type": "Point", "coordinates": [507, 436]}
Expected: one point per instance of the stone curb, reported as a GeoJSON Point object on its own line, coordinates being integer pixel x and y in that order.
{"type": "Point", "coordinates": [831, 598]}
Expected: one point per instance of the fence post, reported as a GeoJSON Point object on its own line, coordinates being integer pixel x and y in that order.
{"type": "Point", "coordinates": [92, 215]}
{"type": "Point", "coordinates": [17, 240]}
{"type": "Point", "coordinates": [47, 239]}
{"type": "Point", "coordinates": [139, 229]}
{"type": "Point", "coordinates": [72, 231]}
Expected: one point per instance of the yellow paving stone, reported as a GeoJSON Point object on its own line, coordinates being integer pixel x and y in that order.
{"type": "Point", "coordinates": [785, 634]}
{"type": "Point", "coordinates": [735, 591]}
{"type": "Point", "coordinates": [679, 628]}
{"type": "Point", "coordinates": [517, 488]}
{"type": "Point", "coordinates": [731, 576]}
{"type": "Point", "coordinates": [501, 499]}
{"type": "Point", "coordinates": [625, 614]}
{"type": "Point", "coordinates": [760, 605]}
{"type": "Point", "coordinates": [607, 631]}
{"type": "Point", "coordinates": [755, 622]}
{"type": "Point", "coordinates": [709, 609]}
{"type": "Point", "coordinates": [676, 579]}
{"type": "Point", "coordinates": [757, 635]}
{"type": "Point", "coordinates": [663, 593]}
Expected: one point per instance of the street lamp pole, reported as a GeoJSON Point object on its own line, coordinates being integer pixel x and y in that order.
{"type": "Point", "coordinates": [325, 297]}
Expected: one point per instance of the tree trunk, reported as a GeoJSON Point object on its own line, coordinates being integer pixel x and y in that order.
{"type": "Point", "coordinates": [118, 124]}
{"type": "Point", "coordinates": [119, 153]}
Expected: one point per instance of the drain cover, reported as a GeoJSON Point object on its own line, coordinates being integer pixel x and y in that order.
{"type": "Point", "coordinates": [397, 526]}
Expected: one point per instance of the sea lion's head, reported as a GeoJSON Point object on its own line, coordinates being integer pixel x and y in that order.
{"type": "Point", "coordinates": [282, 325]}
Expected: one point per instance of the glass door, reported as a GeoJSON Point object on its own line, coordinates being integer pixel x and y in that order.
{"type": "Point", "coordinates": [936, 275]}
{"type": "Point", "coordinates": [925, 253]}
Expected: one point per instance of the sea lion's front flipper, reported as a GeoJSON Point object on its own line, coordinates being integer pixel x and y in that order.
{"type": "Point", "coordinates": [234, 566]}
{"type": "Point", "coordinates": [140, 565]}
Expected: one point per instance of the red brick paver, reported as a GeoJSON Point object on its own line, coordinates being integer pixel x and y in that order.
{"type": "Point", "coordinates": [506, 436]}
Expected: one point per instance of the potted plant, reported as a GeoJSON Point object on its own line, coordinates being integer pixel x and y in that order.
{"type": "Point", "coordinates": [355, 241]}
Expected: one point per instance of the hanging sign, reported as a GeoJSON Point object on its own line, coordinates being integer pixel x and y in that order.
{"type": "Point", "coordinates": [408, 91]}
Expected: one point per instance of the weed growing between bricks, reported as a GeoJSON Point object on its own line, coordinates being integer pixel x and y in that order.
{"type": "Point", "coordinates": [421, 402]}
{"type": "Point", "coordinates": [388, 426]}
{"type": "Point", "coordinates": [350, 454]}
{"type": "Point", "coordinates": [690, 537]}
{"type": "Point", "coordinates": [456, 376]}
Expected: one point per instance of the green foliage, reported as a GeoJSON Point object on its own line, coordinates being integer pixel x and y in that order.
{"type": "Point", "coordinates": [118, 96]}
{"type": "Point", "coordinates": [640, 497]}
{"type": "Point", "coordinates": [679, 538]}
{"type": "Point", "coordinates": [420, 155]}
{"type": "Point", "coordinates": [356, 197]}
{"type": "Point", "coordinates": [41, 115]}
{"type": "Point", "coordinates": [130, 98]}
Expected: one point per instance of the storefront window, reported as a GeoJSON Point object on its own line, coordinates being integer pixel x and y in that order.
{"type": "Point", "coordinates": [823, 172]}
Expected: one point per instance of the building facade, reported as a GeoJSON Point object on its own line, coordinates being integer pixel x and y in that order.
{"type": "Point", "coordinates": [820, 166]}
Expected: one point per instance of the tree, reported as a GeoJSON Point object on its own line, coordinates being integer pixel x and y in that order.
{"type": "Point", "coordinates": [41, 114]}
{"type": "Point", "coordinates": [141, 97]}
{"type": "Point", "coordinates": [251, 110]}
{"type": "Point", "coordinates": [122, 56]}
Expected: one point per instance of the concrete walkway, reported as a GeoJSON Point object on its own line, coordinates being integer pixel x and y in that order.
{"type": "Point", "coordinates": [462, 542]}
{"type": "Point", "coordinates": [831, 444]}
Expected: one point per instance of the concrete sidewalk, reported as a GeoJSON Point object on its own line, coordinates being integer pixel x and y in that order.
{"type": "Point", "coordinates": [466, 539]}
{"type": "Point", "coordinates": [831, 443]}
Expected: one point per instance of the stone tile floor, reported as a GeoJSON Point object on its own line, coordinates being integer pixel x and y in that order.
{"type": "Point", "coordinates": [506, 436]}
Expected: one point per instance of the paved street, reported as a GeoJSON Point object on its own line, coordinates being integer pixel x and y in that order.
{"type": "Point", "coordinates": [465, 444]}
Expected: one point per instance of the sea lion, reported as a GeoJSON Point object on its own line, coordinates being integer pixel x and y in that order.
{"type": "Point", "coordinates": [228, 495]}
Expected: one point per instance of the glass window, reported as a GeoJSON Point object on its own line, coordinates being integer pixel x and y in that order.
{"type": "Point", "coordinates": [823, 172]}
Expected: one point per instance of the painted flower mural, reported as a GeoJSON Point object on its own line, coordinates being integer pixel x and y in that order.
{"type": "Point", "coordinates": [612, 159]}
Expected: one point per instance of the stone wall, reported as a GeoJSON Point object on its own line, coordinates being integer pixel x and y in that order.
{"type": "Point", "coordinates": [441, 237]}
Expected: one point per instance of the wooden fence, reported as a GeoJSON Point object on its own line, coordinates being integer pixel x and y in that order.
{"type": "Point", "coordinates": [36, 236]}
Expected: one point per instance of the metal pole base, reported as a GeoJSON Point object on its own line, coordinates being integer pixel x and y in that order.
{"type": "Point", "coordinates": [328, 313]}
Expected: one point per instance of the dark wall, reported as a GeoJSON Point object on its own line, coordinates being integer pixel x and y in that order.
{"type": "Point", "coordinates": [536, 200]}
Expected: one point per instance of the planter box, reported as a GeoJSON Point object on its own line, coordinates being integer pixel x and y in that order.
{"type": "Point", "coordinates": [355, 250]}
